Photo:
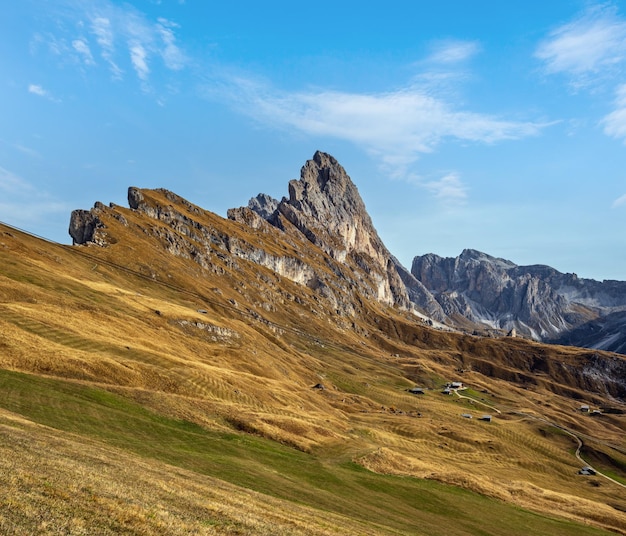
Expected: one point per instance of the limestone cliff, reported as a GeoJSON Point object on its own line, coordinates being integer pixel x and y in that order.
{"type": "Point", "coordinates": [327, 209]}
{"type": "Point", "coordinates": [321, 237]}
{"type": "Point", "coordinates": [538, 301]}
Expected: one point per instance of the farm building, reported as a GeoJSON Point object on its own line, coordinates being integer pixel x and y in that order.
{"type": "Point", "coordinates": [588, 471]}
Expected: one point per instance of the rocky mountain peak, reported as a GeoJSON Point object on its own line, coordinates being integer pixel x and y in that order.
{"type": "Point", "coordinates": [264, 205]}
{"type": "Point", "coordinates": [538, 301]}
{"type": "Point", "coordinates": [326, 207]}
{"type": "Point", "coordinates": [473, 255]}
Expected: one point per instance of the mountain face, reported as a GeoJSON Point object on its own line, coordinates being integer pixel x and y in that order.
{"type": "Point", "coordinates": [322, 237]}
{"type": "Point", "coordinates": [327, 209]}
{"type": "Point", "coordinates": [322, 240]}
{"type": "Point", "coordinates": [537, 301]}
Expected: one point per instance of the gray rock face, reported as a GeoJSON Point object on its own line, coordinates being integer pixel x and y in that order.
{"type": "Point", "coordinates": [86, 227]}
{"type": "Point", "coordinates": [322, 237]}
{"type": "Point", "coordinates": [536, 301]}
{"type": "Point", "coordinates": [326, 207]}
{"type": "Point", "coordinates": [608, 332]}
{"type": "Point", "coordinates": [419, 294]}
{"type": "Point", "coordinates": [264, 205]}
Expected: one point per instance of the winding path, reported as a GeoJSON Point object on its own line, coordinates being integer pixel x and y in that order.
{"type": "Point", "coordinates": [578, 440]}
{"type": "Point", "coordinates": [555, 425]}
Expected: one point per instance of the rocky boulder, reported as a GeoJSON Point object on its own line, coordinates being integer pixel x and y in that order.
{"type": "Point", "coordinates": [86, 226]}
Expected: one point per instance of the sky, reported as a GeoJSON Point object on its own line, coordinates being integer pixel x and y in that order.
{"type": "Point", "coordinates": [491, 125]}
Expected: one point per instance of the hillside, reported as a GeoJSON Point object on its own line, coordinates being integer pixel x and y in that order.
{"type": "Point", "coordinates": [182, 373]}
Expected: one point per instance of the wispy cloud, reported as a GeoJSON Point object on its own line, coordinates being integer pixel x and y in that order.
{"type": "Point", "coordinates": [11, 183]}
{"type": "Point", "coordinates": [591, 52]}
{"type": "Point", "coordinates": [101, 29]}
{"type": "Point", "coordinates": [396, 126]}
{"type": "Point", "coordinates": [591, 46]}
{"type": "Point", "coordinates": [38, 90]}
{"type": "Point", "coordinates": [138, 57]}
{"type": "Point", "coordinates": [28, 204]}
{"type": "Point", "coordinates": [82, 47]}
{"type": "Point", "coordinates": [452, 51]}
{"type": "Point", "coordinates": [173, 56]}
{"type": "Point", "coordinates": [615, 122]}
{"type": "Point", "coordinates": [450, 190]}
{"type": "Point", "coordinates": [32, 153]}
{"type": "Point", "coordinates": [619, 202]}
{"type": "Point", "coordinates": [122, 35]}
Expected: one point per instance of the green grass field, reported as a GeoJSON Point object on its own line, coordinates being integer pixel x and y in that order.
{"type": "Point", "coordinates": [403, 504]}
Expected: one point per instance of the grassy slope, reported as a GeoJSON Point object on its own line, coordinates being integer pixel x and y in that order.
{"type": "Point", "coordinates": [128, 393]}
{"type": "Point", "coordinates": [372, 502]}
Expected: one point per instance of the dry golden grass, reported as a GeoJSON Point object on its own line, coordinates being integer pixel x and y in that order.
{"type": "Point", "coordinates": [53, 483]}
{"type": "Point", "coordinates": [249, 363]}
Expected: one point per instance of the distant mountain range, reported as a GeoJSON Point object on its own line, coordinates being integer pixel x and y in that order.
{"type": "Point", "coordinates": [536, 301]}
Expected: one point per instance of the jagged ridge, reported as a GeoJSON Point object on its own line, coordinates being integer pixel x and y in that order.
{"type": "Point", "coordinates": [336, 251]}
{"type": "Point", "coordinates": [537, 301]}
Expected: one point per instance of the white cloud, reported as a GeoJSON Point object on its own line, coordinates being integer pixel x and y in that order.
{"type": "Point", "coordinates": [101, 28]}
{"type": "Point", "coordinates": [449, 189]}
{"type": "Point", "coordinates": [591, 51]}
{"type": "Point", "coordinates": [172, 55]}
{"type": "Point", "coordinates": [396, 127]}
{"type": "Point", "coordinates": [28, 204]}
{"type": "Point", "coordinates": [615, 122]}
{"type": "Point", "coordinates": [138, 57]}
{"type": "Point", "coordinates": [452, 51]}
{"type": "Point", "coordinates": [620, 201]}
{"type": "Point", "coordinates": [123, 36]}
{"type": "Point", "coordinates": [144, 39]}
{"type": "Point", "coordinates": [36, 89]}
{"type": "Point", "coordinates": [27, 150]}
{"type": "Point", "coordinates": [591, 46]}
{"type": "Point", "coordinates": [81, 46]}
{"type": "Point", "coordinates": [10, 183]}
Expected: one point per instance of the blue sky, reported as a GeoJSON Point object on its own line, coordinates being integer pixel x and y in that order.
{"type": "Point", "coordinates": [498, 126]}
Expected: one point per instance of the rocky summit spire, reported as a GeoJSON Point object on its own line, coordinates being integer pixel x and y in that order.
{"type": "Point", "coordinates": [326, 207]}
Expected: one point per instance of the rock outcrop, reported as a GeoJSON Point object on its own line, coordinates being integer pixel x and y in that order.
{"type": "Point", "coordinates": [322, 237]}
{"type": "Point", "coordinates": [86, 226]}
